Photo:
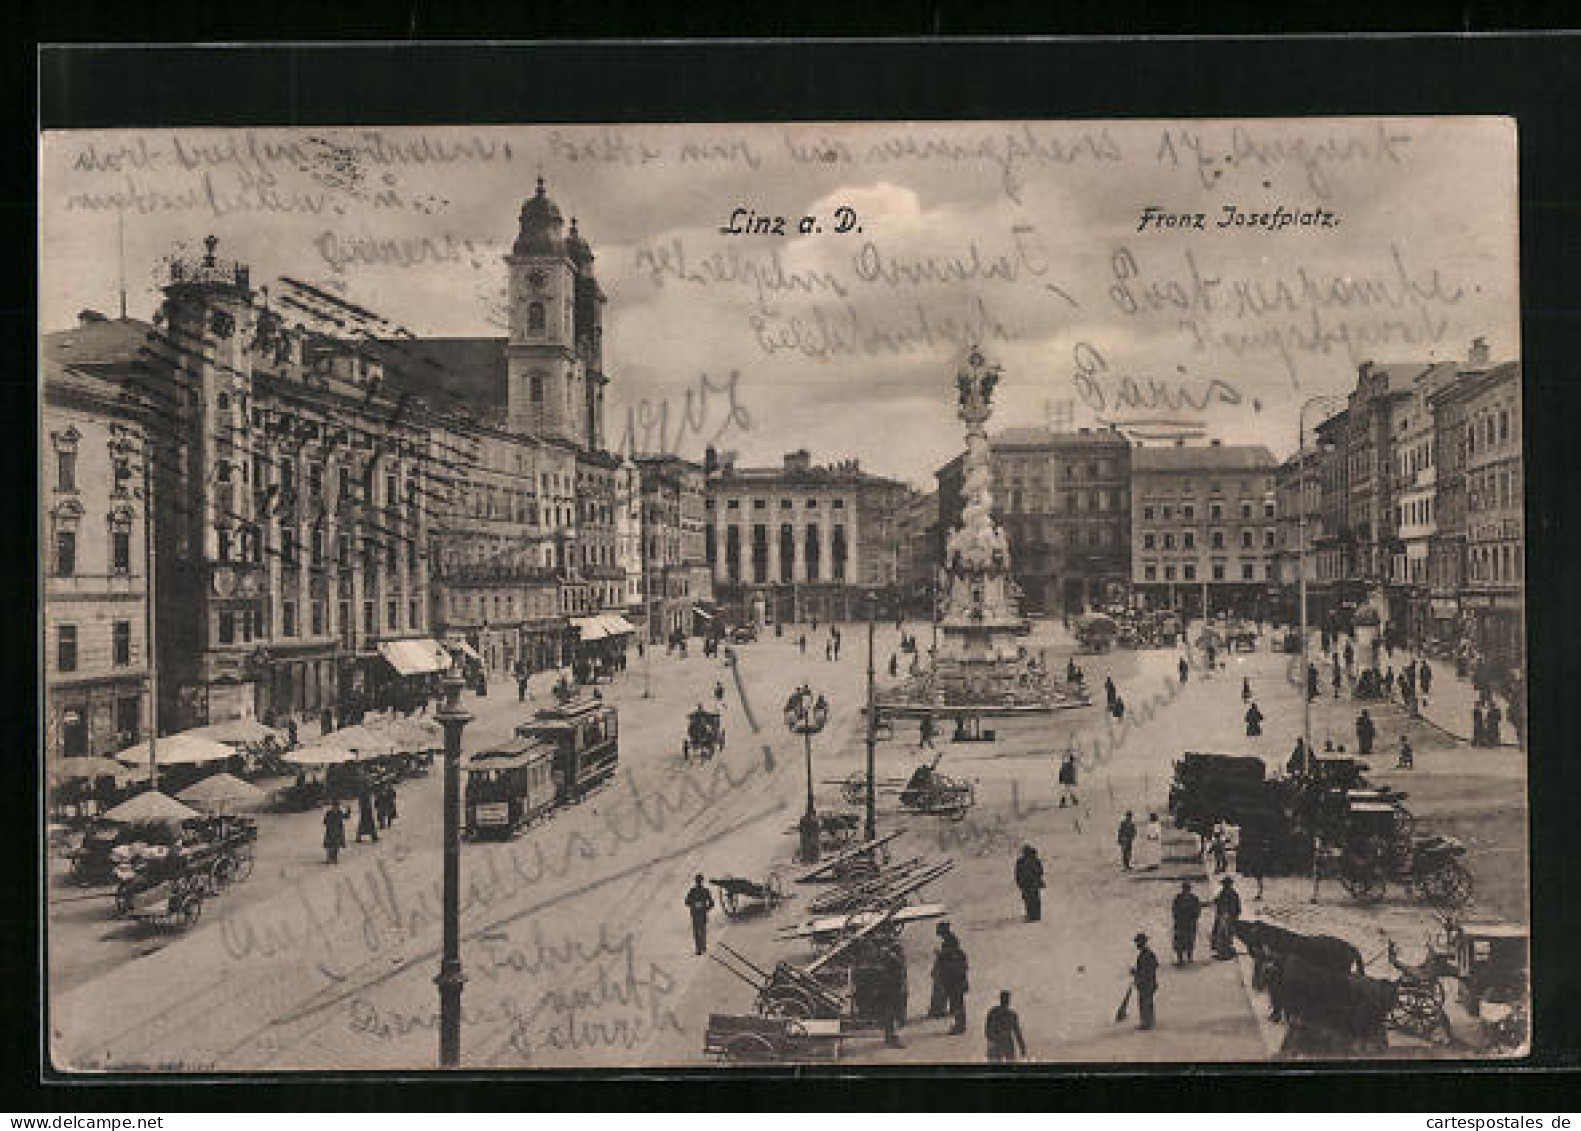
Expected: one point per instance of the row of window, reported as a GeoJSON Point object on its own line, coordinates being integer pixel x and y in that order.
{"type": "Point", "coordinates": [65, 562]}
{"type": "Point", "coordinates": [762, 504]}
{"type": "Point", "coordinates": [1495, 563]}
{"type": "Point", "coordinates": [1188, 540]}
{"type": "Point", "coordinates": [1075, 502]}
{"type": "Point", "coordinates": [1188, 572]}
{"type": "Point", "coordinates": [1488, 428]}
{"type": "Point", "coordinates": [67, 657]}
{"type": "Point", "coordinates": [1188, 512]}
{"type": "Point", "coordinates": [242, 622]}
{"type": "Point", "coordinates": [1494, 489]}
{"type": "Point", "coordinates": [1188, 488]}
{"type": "Point", "coordinates": [1033, 467]}
{"type": "Point", "coordinates": [1417, 512]}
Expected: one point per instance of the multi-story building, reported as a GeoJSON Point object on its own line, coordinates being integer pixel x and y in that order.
{"type": "Point", "coordinates": [1415, 499]}
{"type": "Point", "coordinates": [1205, 535]}
{"type": "Point", "coordinates": [1495, 526]}
{"type": "Point", "coordinates": [1298, 487]}
{"type": "Point", "coordinates": [290, 512]}
{"type": "Point", "coordinates": [786, 543]}
{"type": "Point", "coordinates": [1064, 502]}
{"type": "Point", "coordinates": [917, 524]}
{"type": "Point", "coordinates": [492, 562]}
{"type": "Point", "coordinates": [628, 537]}
{"type": "Point", "coordinates": [95, 565]}
{"type": "Point", "coordinates": [1446, 564]}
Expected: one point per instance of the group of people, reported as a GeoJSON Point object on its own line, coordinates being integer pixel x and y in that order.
{"type": "Point", "coordinates": [1114, 699]}
{"type": "Point", "coordinates": [376, 809]}
{"type": "Point", "coordinates": [1152, 853]}
{"type": "Point", "coordinates": [1486, 718]}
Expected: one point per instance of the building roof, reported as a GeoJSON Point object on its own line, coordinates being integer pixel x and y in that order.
{"type": "Point", "coordinates": [1204, 457]}
{"type": "Point", "coordinates": [1020, 437]}
{"type": "Point", "coordinates": [448, 374]}
{"type": "Point", "coordinates": [97, 344]}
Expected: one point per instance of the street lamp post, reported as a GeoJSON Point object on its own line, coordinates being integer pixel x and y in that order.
{"type": "Point", "coordinates": [454, 718]}
{"type": "Point", "coordinates": [806, 715]}
{"type": "Point", "coordinates": [872, 722]}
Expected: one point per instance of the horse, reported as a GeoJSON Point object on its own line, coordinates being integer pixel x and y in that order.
{"type": "Point", "coordinates": [1265, 940]}
{"type": "Point", "coordinates": [1328, 1010]}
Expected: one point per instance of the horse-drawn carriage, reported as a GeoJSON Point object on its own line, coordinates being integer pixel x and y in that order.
{"type": "Point", "coordinates": [165, 884]}
{"type": "Point", "coordinates": [1378, 846]}
{"type": "Point", "coordinates": [1489, 963]}
{"type": "Point", "coordinates": [705, 736]}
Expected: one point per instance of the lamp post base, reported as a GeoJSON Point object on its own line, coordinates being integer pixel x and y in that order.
{"type": "Point", "coordinates": [808, 828]}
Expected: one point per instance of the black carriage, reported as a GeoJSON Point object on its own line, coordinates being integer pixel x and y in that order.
{"type": "Point", "coordinates": [584, 733]}
{"type": "Point", "coordinates": [1379, 845]}
{"type": "Point", "coordinates": [509, 787]}
{"type": "Point", "coordinates": [705, 736]}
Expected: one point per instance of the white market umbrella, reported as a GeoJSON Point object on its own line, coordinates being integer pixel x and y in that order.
{"type": "Point", "coordinates": [363, 741]}
{"type": "Point", "coordinates": [318, 756]}
{"type": "Point", "coordinates": [414, 736]}
{"type": "Point", "coordinates": [184, 749]}
{"type": "Point", "coordinates": [236, 732]}
{"type": "Point", "coordinates": [150, 805]}
{"type": "Point", "coordinates": [221, 789]}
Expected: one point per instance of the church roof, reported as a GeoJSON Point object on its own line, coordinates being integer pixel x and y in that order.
{"type": "Point", "coordinates": [539, 230]}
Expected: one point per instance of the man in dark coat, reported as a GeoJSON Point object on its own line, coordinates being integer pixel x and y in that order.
{"type": "Point", "coordinates": [1126, 837]}
{"type": "Point", "coordinates": [1108, 691]}
{"type": "Point", "coordinates": [1185, 910]}
{"type": "Point", "coordinates": [1479, 734]}
{"type": "Point", "coordinates": [1119, 708]}
{"type": "Point", "coordinates": [1298, 759]}
{"type": "Point", "coordinates": [1029, 878]}
{"type": "Point", "coordinates": [1144, 976]}
{"type": "Point", "coordinates": [1227, 911]}
{"type": "Point", "coordinates": [1254, 721]}
{"type": "Point", "coordinates": [1350, 656]}
{"type": "Point", "coordinates": [699, 901]}
{"type": "Point", "coordinates": [1427, 683]}
{"type": "Point", "coordinates": [334, 831]}
{"type": "Point", "coordinates": [1365, 732]}
{"type": "Point", "coordinates": [892, 972]}
{"type": "Point", "coordinates": [949, 971]}
{"type": "Point", "coordinates": [1184, 668]}
{"type": "Point", "coordinates": [365, 818]}
{"type": "Point", "coordinates": [1312, 682]}
{"type": "Point", "coordinates": [939, 1001]}
{"type": "Point", "coordinates": [1494, 718]}
{"type": "Point", "coordinates": [1002, 1028]}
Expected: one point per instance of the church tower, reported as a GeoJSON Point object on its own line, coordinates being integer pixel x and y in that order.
{"type": "Point", "coordinates": [547, 393]}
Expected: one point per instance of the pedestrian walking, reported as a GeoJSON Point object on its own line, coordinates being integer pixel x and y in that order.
{"type": "Point", "coordinates": [927, 729]}
{"type": "Point", "coordinates": [892, 982]}
{"type": "Point", "coordinates": [1152, 854]}
{"type": "Point", "coordinates": [1254, 722]}
{"type": "Point", "coordinates": [894, 665]}
{"type": "Point", "coordinates": [1312, 682]}
{"type": "Point", "coordinates": [1144, 979]}
{"type": "Point", "coordinates": [1298, 759]}
{"type": "Point", "coordinates": [939, 1001]}
{"type": "Point", "coordinates": [699, 901]}
{"type": "Point", "coordinates": [1427, 684]}
{"type": "Point", "coordinates": [1185, 669]}
{"type": "Point", "coordinates": [801, 642]}
{"type": "Point", "coordinates": [950, 970]}
{"type": "Point", "coordinates": [1029, 878]}
{"type": "Point", "coordinates": [1109, 693]}
{"type": "Point", "coordinates": [719, 693]}
{"type": "Point", "coordinates": [1002, 1030]}
{"type": "Point", "coordinates": [1407, 756]}
{"type": "Point", "coordinates": [521, 685]}
{"type": "Point", "coordinates": [1365, 732]}
{"type": "Point", "coordinates": [1227, 912]}
{"type": "Point", "coordinates": [334, 831]}
{"type": "Point", "coordinates": [365, 818]}
{"type": "Point", "coordinates": [1246, 690]}
{"type": "Point", "coordinates": [380, 813]}
{"type": "Point", "coordinates": [1185, 911]}
{"type": "Point", "coordinates": [828, 650]}
{"type": "Point", "coordinates": [1350, 657]}
{"type": "Point", "coordinates": [1067, 781]}
{"type": "Point", "coordinates": [1119, 708]}
{"type": "Point", "coordinates": [1127, 838]}
{"type": "Point", "coordinates": [1218, 845]}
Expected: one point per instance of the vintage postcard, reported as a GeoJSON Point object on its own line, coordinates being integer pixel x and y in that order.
{"type": "Point", "coordinates": [708, 595]}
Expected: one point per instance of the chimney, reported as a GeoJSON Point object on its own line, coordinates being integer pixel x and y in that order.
{"type": "Point", "coordinates": [88, 317]}
{"type": "Point", "coordinates": [1478, 354]}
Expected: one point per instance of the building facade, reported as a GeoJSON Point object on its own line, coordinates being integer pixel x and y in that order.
{"type": "Point", "coordinates": [1205, 528]}
{"type": "Point", "coordinates": [291, 511]}
{"type": "Point", "coordinates": [1298, 488]}
{"type": "Point", "coordinates": [1063, 500]}
{"type": "Point", "coordinates": [1494, 596]}
{"type": "Point", "coordinates": [96, 575]}
{"type": "Point", "coordinates": [786, 543]}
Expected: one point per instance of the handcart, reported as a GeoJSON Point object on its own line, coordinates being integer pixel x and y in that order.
{"type": "Point", "coordinates": [741, 898]}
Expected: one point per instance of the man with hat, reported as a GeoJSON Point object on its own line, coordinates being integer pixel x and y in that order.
{"type": "Point", "coordinates": [949, 976]}
{"type": "Point", "coordinates": [699, 901]}
{"type": "Point", "coordinates": [1227, 911]}
{"type": "Point", "coordinates": [1185, 910]}
{"type": "Point", "coordinates": [1144, 976]}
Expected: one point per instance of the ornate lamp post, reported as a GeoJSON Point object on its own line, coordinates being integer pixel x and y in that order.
{"type": "Point", "coordinates": [806, 715]}
{"type": "Point", "coordinates": [454, 718]}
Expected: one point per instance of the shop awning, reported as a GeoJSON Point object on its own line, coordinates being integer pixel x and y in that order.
{"type": "Point", "coordinates": [590, 628]}
{"type": "Point", "coordinates": [465, 649]}
{"type": "Point", "coordinates": [415, 657]}
{"type": "Point", "coordinates": [617, 625]}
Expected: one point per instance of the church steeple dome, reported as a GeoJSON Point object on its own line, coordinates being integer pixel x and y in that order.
{"type": "Point", "coordinates": [576, 247]}
{"type": "Point", "coordinates": [539, 232]}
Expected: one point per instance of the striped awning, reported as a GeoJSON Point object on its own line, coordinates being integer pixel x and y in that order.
{"type": "Point", "coordinates": [415, 657]}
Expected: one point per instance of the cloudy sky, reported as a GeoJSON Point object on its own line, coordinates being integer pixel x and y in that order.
{"type": "Point", "coordinates": [1022, 236]}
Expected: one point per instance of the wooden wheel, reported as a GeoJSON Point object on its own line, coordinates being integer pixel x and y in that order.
{"type": "Point", "coordinates": [748, 1047]}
